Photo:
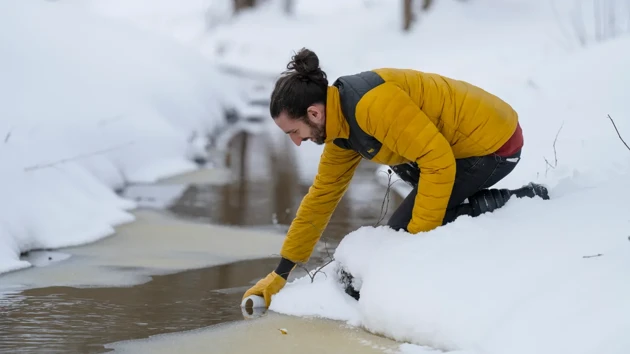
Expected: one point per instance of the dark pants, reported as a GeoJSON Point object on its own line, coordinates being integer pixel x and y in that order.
{"type": "Point", "coordinates": [473, 174]}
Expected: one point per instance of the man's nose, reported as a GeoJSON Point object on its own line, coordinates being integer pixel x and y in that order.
{"type": "Point", "coordinates": [296, 140]}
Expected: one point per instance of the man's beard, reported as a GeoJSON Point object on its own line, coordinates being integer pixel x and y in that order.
{"type": "Point", "coordinates": [319, 133]}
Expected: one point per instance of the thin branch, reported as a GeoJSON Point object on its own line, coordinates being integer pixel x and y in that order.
{"type": "Point", "coordinates": [555, 152]}
{"type": "Point", "coordinates": [8, 135]}
{"type": "Point", "coordinates": [384, 206]}
{"type": "Point", "coordinates": [330, 260]}
{"type": "Point", "coordinates": [617, 130]}
{"type": "Point", "coordinates": [548, 165]}
{"type": "Point", "coordinates": [54, 163]}
{"type": "Point", "coordinates": [386, 197]}
{"type": "Point", "coordinates": [326, 248]}
{"type": "Point", "coordinates": [318, 269]}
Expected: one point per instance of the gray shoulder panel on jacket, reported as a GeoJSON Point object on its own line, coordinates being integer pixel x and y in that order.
{"type": "Point", "coordinates": [351, 89]}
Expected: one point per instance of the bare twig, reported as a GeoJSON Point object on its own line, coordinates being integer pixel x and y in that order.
{"type": "Point", "coordinates": [54, 163]}
{"type": "Point", "coordinates": [318, 269]}
{"type": "Point", "coordinates": [6, 138]}
{"type": "Point", "coordinates": [617, 130]}
{"type": "Point", "coordinates": [385, 206]}
{"type": "Point", "coordinates": [386, 197]}
{"type": "Point", "coordinates": [326, 248]}
{"type": "Point", "coordinates": [595, 255]}
{"type": "Point", "coordinates": [548, 166]}
{"type": "Point", "coordinates": [330, 260]}
{"type": "Point", "coordinates": [555, 153]}
{"type": "Point", "coordinates": [313, 274]}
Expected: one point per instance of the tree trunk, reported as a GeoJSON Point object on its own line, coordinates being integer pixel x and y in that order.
{"type": "Point", "coordinates": [407, 15]}
{"type": "Point", "coordinates": [288, 7]}
{"type": "Point", "coordinates": [243, 4]}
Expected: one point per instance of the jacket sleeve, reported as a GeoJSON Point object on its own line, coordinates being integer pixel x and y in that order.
{"type": "Point", "coordinates": [391, 116]}
{"type": "Point", "coordinates": [335, 171]}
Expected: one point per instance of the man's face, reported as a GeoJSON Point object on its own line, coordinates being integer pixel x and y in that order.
{"type": "Point", "coordinates": [299, 130]}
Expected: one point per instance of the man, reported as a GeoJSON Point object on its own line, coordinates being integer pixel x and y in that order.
{"type": "Point", "coordinates": [449, 139]}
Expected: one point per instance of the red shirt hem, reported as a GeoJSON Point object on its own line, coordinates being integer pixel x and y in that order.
{"type": "Point", "coordinates": [514, 144]}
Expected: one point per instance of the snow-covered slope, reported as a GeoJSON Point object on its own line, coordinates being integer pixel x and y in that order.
{"type": "Point", "coordinates": [543, 277]}
{"type": "Point", "coordinates": [88, 104]}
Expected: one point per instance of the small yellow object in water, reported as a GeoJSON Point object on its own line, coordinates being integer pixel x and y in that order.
{"type": "Point", "coordinates": [283, 330]}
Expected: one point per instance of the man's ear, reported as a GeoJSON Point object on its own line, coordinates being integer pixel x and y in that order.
{"type": "Point", "coordinates": [316, 113]}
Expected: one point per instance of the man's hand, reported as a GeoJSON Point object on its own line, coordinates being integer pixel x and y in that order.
{"type": "Point", "coordinates": [267, 287]}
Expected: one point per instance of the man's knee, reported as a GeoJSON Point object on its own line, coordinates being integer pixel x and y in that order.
{"type": "Point", "coordinates": [400, 218]}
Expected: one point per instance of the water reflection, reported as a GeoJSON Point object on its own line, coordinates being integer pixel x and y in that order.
{"type": "Point", "coordinates": [264, 199]}
{"type": "Point", "coordinates": [81, 320]}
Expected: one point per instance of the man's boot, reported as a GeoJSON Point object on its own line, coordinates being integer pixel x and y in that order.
{"type": "Point", "coordinates": [531, 190]}
{"type": "Point", "coordinates": [488, 200]}
{"type": "Point", "coordinates": [346, 280]}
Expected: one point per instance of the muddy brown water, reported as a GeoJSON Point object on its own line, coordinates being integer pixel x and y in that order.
{"type": "Point", "coordinates": [82, 320]}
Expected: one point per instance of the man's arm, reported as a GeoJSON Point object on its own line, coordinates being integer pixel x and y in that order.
{"type": "Point", "coordinates": [390, 115]}
{"type": "Point", "coordinates": [336, 169]}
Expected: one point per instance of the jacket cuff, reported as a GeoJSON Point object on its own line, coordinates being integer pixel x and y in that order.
{"type": "Point", "coordinates": [284, 268]}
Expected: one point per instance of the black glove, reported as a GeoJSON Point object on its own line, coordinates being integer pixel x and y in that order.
{"type": "Point", "coordinates": [408, 172]}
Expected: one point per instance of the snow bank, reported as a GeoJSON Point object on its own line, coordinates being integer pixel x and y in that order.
{"type": "Point", "coordinates": [88, 105]}
{"type": "Point", "coordinates": [517, 281]}
{"type": "Point", "coordinates": [536, 276]}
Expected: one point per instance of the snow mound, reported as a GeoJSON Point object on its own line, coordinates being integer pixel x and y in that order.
{"type": "Point", "coordinates": [536, 276]}
{"type": "Point", "coordinates": [90, 104]}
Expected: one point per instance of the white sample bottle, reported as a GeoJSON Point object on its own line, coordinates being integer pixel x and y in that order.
{"type": "Point", "coordinates": [253, 301]}
{"type": "Point", "coordinates": [253, 306]}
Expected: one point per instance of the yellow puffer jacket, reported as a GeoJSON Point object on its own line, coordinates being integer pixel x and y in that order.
{"type": "Point", "coordinates": [417, 116]}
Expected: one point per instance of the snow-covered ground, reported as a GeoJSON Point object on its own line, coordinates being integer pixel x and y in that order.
{"type": "Point", "coordinates": [537, 276]}
{"type": "Point", "coordinates": [88, 105]}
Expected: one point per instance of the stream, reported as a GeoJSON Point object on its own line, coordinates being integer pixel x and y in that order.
{"type": "Point", "coordinates": [51, 318]}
